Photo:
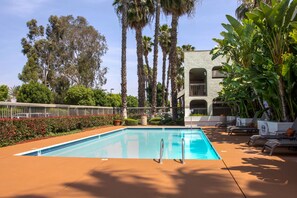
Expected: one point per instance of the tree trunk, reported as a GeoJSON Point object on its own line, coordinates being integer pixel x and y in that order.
{"type": "Point", "coordinates": [140, 70]}
{"type": "Point", "coordinates": [155, 60]}
{"type": "Point", "coordinates": [124, 60]}
{"type": "Point", "coordinates": [163, 78]}
{"type": "Point", "coordinates": [148, 69]}
{"type": "Point", "coordinates": [173, 63]}
{"type": "Point", "coordinates": [167, 83]}
{"type": "Point", "coordinates": [282, 98]}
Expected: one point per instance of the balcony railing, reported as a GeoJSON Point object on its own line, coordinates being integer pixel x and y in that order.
{"type": "Point", "coordinates": [198, 89]}
{"type": "Point", "coordinates": [202, 111]}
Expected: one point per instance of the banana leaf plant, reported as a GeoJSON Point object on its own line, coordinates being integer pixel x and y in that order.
{"type": "Point", "coordinates": [261, 52]}
{"type": "Point", "coordinates": [274, 24]}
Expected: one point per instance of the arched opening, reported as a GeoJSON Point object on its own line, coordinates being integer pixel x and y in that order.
{"type": "Point", "coordinates": [220, 108]}
{"type": "Point", "coordinates": [216, 72]}
{"type": "Point", "coordinates": [198, 82]}
{"type": "Point", "coordinates": [198, 107]}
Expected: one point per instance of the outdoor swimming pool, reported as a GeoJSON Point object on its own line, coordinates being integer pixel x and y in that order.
{"type": "Point", "coordinates": [135, 143]}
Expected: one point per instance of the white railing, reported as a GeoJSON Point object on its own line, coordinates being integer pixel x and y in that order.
{"type": "Point", "coordinates": [202, 111]}
{"type": "Point", "coordinates": [29, 110]}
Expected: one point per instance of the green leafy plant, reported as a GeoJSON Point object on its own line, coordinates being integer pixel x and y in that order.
{"type": "Point", "coordinates": [155, 120]}
{"type": "Point", "coordinates": [80, 95]}
{"type": "Point", "coordinates": [131, 122]}
{"type": "Point", "coordinates": [34, 92]}
{"type": "Point", "coordinates": [3, 92]}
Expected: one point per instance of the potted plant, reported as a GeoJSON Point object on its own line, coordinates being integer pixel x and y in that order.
{"type": "Point", "coordinates": [117, 122]}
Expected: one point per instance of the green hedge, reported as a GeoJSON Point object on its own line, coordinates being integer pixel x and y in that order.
{"type": "Point", "coordinates": [16, 130]}
{"type": "Point", "coordinates": [131, 122]}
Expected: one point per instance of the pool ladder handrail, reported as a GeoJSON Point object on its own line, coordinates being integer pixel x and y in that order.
{"type": "Point", "coordinates": [161, 151]}
{"type": "Point", "coordinates": [183, 151]}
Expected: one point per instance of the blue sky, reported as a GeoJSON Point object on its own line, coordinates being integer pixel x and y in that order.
{"type": "Point", "coordinates": [197, 30]}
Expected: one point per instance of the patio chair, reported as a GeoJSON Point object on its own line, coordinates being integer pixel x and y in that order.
{"type": "Point", "coordinates": [254, 139]}
{"type": "Point", "coordinates": [245, 129]}
{"type": "Point", "coordinates": [272, 144]}
{"type": "Point", "coordinates": [239, 124]}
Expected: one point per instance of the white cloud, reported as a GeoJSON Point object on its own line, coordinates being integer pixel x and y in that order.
{"type": "Point", "coordinates": [24, 7]}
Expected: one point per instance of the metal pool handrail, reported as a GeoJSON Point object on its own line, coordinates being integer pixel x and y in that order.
{"type": "Point", "coordinates": [183, 151]}
{"type": "Point", "coordinates": [161, 150]}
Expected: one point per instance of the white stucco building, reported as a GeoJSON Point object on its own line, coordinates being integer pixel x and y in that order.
{"type": "Point", "coordinates": [201, 84]}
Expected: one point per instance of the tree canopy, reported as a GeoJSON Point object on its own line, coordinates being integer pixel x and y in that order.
{"type": "Point", "coordinates": [67, 52]}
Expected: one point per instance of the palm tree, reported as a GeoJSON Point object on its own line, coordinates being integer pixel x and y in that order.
{"type": "Point", "coordinates": [121, 10]}
{"type": "Point", "coordinates": [164, 43]}
{"type": "Point", "coordinates": [176, 8]}
{"type": "Point", "coordinates": [140, 13]}
{"type": "Point", "coordinates": [248, 5]}
{"type": "Point", "coordinates": [147, 48]}
{"type": "Point", "coordinates": [155, 60]}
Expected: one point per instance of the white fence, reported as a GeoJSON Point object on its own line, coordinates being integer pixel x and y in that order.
{"type": "Point", "coordinates": [28, 110]}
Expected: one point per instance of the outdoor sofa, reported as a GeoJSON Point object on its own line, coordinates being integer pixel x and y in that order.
{"type": "Point", "coordinates": [255, 139]}
{"type": "Point", "coordinates": [251, 129]}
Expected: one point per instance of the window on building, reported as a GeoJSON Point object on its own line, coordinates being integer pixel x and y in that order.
{"type": "Point", "coordinates": [198, 82]}
{"type": "Point", "coordinates": [198, 107]}
{"type": "Point", "coordinates": [216, 72]}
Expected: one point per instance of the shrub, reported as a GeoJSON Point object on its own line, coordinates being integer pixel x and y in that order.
{"type": "Point", "coordinates": [4, 92]}
{"type": "Point", "coordinates": [155, 121]}
{"type": "Point", "coordinates": [34, 92]}
{"type": "Point", "coordinates": [80, 95]}
{"type": "Point", "coordinates": [16, 130]}
{"type": "Point", "coordinates": [131, 122]}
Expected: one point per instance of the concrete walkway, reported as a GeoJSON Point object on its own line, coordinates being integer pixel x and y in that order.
{"type": "Point", "coordinates": [243, 172]}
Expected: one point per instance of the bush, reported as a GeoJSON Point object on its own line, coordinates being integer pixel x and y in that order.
{"type": "Point", "coordinates": [3, 92]}
{"type": "Point", "coordinates": [155, 121]}
{"type": "Point", "coordinates": [34, 92]}
{"type": "Point", "coordinates": [131, 122]}
{"type": "Point", "coordinates": [16, 130]}
{"type": "Point", "coordinates": [80, 95]}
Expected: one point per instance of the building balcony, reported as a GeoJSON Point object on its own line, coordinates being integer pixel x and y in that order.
{"type": "Point", "coordinates": [202, 111]}
{"type": "Point", "coordinates": [198, 89]}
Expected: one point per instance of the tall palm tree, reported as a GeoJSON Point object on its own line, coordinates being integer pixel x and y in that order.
{"type": "Point", "coordinates": [248, 5]}
{"type": "Point", "coordinates": [155, 60]}
{"type": "Point", "coordinates": [164, 43]}
{"type": "Point", "coordinates": [140, 13]}
{"type": "Point", "coordinates": [121, 10]}
{"type": "Point", "coordinates": [147, 48]}
{"type": "Point", "coordinates": [176, 8]}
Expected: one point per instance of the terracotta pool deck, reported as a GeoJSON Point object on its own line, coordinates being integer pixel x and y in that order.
{"type": "Point", "coordinates": [243, 172]}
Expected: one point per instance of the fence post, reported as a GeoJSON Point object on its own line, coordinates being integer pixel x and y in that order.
{"type": "Point", "coordinates": [30, 111]}
{"type": "Point", "coordinates": [11, 116]}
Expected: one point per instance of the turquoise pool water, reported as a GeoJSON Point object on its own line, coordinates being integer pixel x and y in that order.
{"type": "Point", "coordinates": [139, 143]}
